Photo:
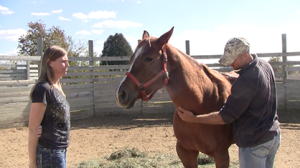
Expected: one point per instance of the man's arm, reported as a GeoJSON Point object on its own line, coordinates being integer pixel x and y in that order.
{"type": "Point", "coordinates": [211, 118]}
{"type": "Point", "coordinates": [230, 76]}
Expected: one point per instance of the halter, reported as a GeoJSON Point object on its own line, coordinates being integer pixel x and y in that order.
{"type": "Point", "coordinates": [142, 87]}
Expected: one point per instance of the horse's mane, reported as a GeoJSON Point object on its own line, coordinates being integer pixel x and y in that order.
{"type": "Point", "coordinates": [212, 74]}
{"type": "Point", "coordinates": [222, 83]}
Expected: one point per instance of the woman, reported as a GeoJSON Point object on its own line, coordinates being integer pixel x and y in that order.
{"type": "Point", "coordinates": [51, 110]}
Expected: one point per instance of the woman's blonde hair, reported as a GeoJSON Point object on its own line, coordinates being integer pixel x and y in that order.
{"type": "Point", "coordinates": [46, 73]}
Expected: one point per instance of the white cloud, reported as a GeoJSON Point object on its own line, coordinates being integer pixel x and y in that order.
{"type": "Point", "coordinates": [80, 15]}
{"type": "Point", "coordinates": [5, 10]}
{"type": "Point", "coordinates": [11, 53]}
{"type": "Point", "coordinates": [97, 31]}
{"type": "Point", "coordinates": [83, 32]}
{"type": "Point", "coordinates": [133, 41]}
{"type": "Point", "coordinates": [40, 14]}
{"type": "Point", "coordinates": [95, 15]}
{"type": "Point", "coordinates": [56, 11]}
{"type": "Point", "coordinates": [117, 24]}
{"type": "Point", "coordinates": [62, 18]}
{"type": "Point", "coordinates": [11, 34]}
{"type": "Point", "coordinates": [98, 46]}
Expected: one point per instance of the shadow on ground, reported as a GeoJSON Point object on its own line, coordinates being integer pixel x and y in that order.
{"type": "Point", "coordinates": [126, 121]}
{"type": "Point", "coordinates": [130, 121]}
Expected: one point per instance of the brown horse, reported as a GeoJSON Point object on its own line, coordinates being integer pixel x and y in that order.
{"type": "Point", "coordinates": [191, 85]}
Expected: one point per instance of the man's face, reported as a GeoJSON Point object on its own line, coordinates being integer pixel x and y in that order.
{"type": "Point", "coordinates": [239, 62]}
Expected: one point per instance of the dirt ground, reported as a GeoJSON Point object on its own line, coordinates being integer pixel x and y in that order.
{"type": "Point", "coordinates": [99, 137]}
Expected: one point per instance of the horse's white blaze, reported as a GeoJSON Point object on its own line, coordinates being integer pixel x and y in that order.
{"type": "Point", "coordinates": [138, 52]}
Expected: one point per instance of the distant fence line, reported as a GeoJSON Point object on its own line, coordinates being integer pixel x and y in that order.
{"type": "Point", "coordinates": [90, 90]}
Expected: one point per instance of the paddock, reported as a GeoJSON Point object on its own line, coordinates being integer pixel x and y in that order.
{"type": "Point", "coordinates": [106, 127]}
{"type": "Point", "coordinates": [90, 89]}
{"type": "Point", "coordinates": [97, 138]}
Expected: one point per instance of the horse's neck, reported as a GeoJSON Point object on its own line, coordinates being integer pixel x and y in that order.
{"type": "Point", "coordinates": [185, 75]}
{"type": "Point", "coordinates": [191, 83]}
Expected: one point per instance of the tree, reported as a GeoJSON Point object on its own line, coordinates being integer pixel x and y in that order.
{"type": "Point", "coordinates": [53, 36]}
{"type": "Point", "coordinates": [276, 67]}
{"type": "Point", "coordinates": [279, 68]}
{"type": "Point", "coordinates": [116, 46]}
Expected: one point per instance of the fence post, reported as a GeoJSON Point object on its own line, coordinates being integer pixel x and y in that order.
{"type": "Point", "coordinates": [91, 65]}
{"type": "Point", "coordinates": [187, 47]}
{"type": "Point", "coordinates": [39, 52]}
{"type": "Point", "coordinates": [284, 60]}
{"type": "Point", "coordinates": [28, 70]}
{"type": "Point", "coordinates": [142, 103]}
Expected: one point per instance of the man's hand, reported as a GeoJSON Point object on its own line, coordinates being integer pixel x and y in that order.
{"type": "Point", "coordinates": [185, 115]}
{"type": "Point", "coordinates": [37, 131]}
{"type": "Point", "coordinates": [230, 76]}
{"type": "Point", "coordinates": [32, 165]}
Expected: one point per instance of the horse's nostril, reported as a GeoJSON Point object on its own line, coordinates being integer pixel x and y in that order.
{"type": "Point", "coordinates": [123, 96]}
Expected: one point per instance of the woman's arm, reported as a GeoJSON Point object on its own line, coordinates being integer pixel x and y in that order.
{"type": "Point", "coordinates": [37, 112]}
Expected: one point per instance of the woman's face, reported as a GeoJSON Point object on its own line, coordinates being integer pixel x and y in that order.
{"type": "Point", "coordinates": [60, 66]}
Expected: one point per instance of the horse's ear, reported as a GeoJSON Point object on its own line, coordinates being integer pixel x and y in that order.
{"type": "Point", "coordinates": [163, 39]}
{"type": "Point", "coordinates": [145, 35]}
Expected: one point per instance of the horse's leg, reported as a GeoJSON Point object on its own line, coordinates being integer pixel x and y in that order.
{"type": "Point", "coordinates": [187, 157]}
{"type": "Point", "coordinates": [221, 158]}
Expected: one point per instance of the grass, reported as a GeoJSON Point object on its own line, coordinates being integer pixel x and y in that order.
{"type": "Point", "coordinates": [133, 158]}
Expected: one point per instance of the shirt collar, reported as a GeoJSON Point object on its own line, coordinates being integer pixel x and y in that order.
{"type": "Point", "coordinates": [249, 65]}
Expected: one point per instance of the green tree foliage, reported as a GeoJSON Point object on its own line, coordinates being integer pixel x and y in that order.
{"type": "Point", "coordinates": [52, 36]}
{"type": "Point", "coordinates": [114, 46]}
{"type": "Point", "coordinates": [276, 67]}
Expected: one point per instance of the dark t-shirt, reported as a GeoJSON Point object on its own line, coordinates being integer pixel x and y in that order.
{"type": "Point", "coordinates": [252, 105]}
{"type": "Point", "coordinates": [56, 121]}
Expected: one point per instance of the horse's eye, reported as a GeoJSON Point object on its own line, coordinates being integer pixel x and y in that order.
{"type": "Point", "coordinates": [148, 59]}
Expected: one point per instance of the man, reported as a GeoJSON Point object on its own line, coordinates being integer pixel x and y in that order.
{"type": "Point", "coordinates": [251, 107]}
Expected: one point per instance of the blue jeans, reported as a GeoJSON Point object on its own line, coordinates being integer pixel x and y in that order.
{"type": "Point", "coordinates": [51, 158]}
{"type": "Point", "coordinates": [260, 156]}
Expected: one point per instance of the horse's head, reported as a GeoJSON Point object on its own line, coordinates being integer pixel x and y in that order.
{"type": "Point", "coordinates": [147, 72]}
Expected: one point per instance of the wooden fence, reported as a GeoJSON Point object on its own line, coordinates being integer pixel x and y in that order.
{"type": "Point", "coordinates": [90, 89]}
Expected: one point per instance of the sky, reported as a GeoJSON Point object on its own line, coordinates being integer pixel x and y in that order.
{"type": "Point", "coordinates": [208, 25]}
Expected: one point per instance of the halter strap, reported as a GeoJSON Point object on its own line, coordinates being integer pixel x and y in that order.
{"type": "Point", "coordinates": [142, 87]}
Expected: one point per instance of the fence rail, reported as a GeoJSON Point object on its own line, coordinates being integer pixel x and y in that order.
{"type": "Point", "coordinates": [90, 90]}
